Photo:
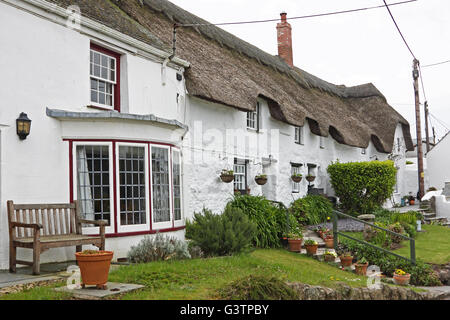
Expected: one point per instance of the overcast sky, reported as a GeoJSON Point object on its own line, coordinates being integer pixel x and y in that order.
{"type": "Point", "coordinates": [354, 48]}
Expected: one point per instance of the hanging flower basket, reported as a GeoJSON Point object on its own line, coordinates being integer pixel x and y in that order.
{"type": "Point", "coordinates": [261, 179]}
{"type": "Point", "coordinates": [296, 178]}
{"type": "Point", "coordinates": [94, 266]}
{"type": "Point", "coordinates": [227, 176]}
{"type": "Point", "coordinates": [310, 178]}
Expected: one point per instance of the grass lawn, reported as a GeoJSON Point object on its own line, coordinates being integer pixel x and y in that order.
{"type": "Point", "coordinates": [432, 246]}
{"type": "Point", "coordinates": [201, 278]}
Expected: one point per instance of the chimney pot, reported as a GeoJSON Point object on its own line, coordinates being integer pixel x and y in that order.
{"type": "Point", "coordinates": [284, 34]}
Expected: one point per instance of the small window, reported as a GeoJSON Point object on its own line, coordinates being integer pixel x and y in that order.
{"type": "Point", "coordinates": [104, 78]}
{"type": "Point", "coordinates": [295, 168]}
{"type": "Point", "coordinates": [160, 184]}
{"type": "Point", "coordinates": [322, 142]}
{"type": "Point", "coordinates": [299, 135]}
{"type": "Point", "coordinates": [240, 176]}
{"type": "Point", "coordinates": [253, 118]}
{"type": "Point", "coordinates": [176, 177]}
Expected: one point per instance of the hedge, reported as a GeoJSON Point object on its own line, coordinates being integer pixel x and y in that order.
{"type": "Point", "coordinates": [362, 186]}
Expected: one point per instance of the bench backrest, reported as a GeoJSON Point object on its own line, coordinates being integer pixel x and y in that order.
{"type": "Point", "coordinates": [56, 219]}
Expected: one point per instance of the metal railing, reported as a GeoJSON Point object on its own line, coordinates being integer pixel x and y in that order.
{"type": "Point", "coordinates": [412, 242]}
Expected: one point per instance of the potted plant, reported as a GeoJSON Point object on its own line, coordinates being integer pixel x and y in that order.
{"type": "Point", "coordinates": [311, 247]}
{"type": "Point", "coordinates": [296, 177]}
{"type": "Point", "coordinates": [295, 239]}
{"type": "Point", "coordinates": [330, 256]}
{"type": "Point", "coordinates": [329, 241]}
{"type": "Point", "coordinates": [227, 175]}
{"type": "Point", "coordinates": [411, 200]}
{"type": "Point", "coordinates": [310, 177]}
{"type": "Point", "coordinates": [321, 231]}
{"type": "Point", "coordinates": [261, 179]}
{"type": "Point", "coordinates": [361, 266]}
{"type": "Point", "coordinates": [401, 277]}
{"type": "Point", "coordinates": [94, 267]}
{"type": "Point", "coordinates": [346, 259]}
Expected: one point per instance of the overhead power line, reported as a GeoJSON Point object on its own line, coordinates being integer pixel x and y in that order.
{"type": "Point", "coordinates": [398, 29]}
{"type": "Point", "coordinates": [293, 18]}
{"type": "Point", "coordinates": [435, 64]}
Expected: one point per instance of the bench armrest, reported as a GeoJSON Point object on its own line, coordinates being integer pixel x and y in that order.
{"type": "Point", "coordinates": [35, 226]}
{"type": "Point", "coordinates": [96, 222]}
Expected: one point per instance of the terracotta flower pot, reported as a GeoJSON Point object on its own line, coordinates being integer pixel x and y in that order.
{"type": "Point", "coordinates": [261, 181]}
{"type": "Point", "coordinates": [311, 249]}
{"type": "Point", "coordinates": [361, 269]}
{"type": "Point", "coordinates": [296, 179]}
{"type": "Point", "coordinates": [346, 261]}
{"type": "Point", "coordinates": [402, 280]}
{"type": "Point", "coordinates": [329, 242]}
{"type": "Point", "coordinates": [227, 178]}
{"type": "Point", "coordinates": [94, 268]}
{"type": "Point", "coordinates": [329, 258]}
{"type": "Point", "coordinates": [295, 245]}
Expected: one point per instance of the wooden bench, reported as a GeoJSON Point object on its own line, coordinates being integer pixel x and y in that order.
{"type": "Point", "coordinates": [43, 226]}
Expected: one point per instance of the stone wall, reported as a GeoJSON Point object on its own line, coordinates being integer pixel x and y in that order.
{"type": "Point", "coordinates": [345, 292]}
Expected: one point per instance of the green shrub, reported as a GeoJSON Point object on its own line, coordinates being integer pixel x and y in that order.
{"type": "Point", "coordinates": [409, 217]}
{"type": "Point", "coordinates": [258, 288]}
{"type": "Point", "coordinates": [270, 220]}
{"type": "Point", "coordinates": [225, 234]}
{"type": "Point", "coordinates": [397, 228]}
{"type": "Point", "coordinates": [421, 274]}
{"type": "Point", "coordinates": [362, 187]}
{"type": "Point", "coordinates": [312, 209]}
{"type": "Point", "coordinates": [159, 247]}
{"type": "Point", "coordinates": [378, 237]}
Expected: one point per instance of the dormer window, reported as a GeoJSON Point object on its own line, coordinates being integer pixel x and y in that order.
{"type": "Point", "coordinates": [104, 78]}
{"type": "Point", "coordinates": [253, 118]}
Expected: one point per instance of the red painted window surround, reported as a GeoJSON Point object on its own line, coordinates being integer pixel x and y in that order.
{"type": "Point", "coordinates": [114, 141]}
{"type": "Point", "coordinates": [117, 86]}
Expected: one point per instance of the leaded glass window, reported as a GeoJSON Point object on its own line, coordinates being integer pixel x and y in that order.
{"type": "Point", "coordinates": [176, 174]}
{"type": "Point", "coordinates": [93, 182]}
{"type": "Point", "coordinates": [132, 185]}
{"type": "Point", "coordinates": [160, 184]}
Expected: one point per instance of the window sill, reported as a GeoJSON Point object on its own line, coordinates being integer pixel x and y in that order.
{"type": "Point", "coordinates": [100, 108]}
{"type": "Point", "coordinates": [253, 130]}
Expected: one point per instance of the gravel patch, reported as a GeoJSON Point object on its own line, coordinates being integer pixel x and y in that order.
{"type": "Point", "coordinates": [342, 225]}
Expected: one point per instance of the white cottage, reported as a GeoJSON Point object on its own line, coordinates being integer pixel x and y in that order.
{"type": "Point", "coordinates": [139, 136]}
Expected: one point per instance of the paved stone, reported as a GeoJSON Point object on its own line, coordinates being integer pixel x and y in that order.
{"type": "Point", "coordinates": [92, 293]}
{"type": "Point", "coordinates": [443, 292]}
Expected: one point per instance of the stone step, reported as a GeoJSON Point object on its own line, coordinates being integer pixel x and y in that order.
{"type": "Point", "coordinates": [429, 215]}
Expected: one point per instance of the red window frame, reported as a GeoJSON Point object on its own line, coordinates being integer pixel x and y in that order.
{"type": "Point", "coordinates": [117, 85]}
{"type": "Point", "coordinates": [116, 232]}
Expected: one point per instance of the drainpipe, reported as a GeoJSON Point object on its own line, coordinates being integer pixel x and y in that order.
{"type": "Point", "coordinates": [169, 58]}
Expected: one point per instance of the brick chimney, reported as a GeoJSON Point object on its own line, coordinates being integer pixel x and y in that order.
{"type": "Point", "coordinates": [284, 32]}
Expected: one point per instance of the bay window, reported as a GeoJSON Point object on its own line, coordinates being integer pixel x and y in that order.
{"type": "Point", "coordinates": [136, 187]}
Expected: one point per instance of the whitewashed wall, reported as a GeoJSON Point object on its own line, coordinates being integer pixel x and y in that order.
{"type": "Point", "coordinates": [206, 152]}
{"type": "Point", "coordinates": [44, 64]}
{"type": "Point", "coordinates": [438, 163]}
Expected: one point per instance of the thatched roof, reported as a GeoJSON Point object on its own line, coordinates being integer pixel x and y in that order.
{"type": "Point", "coordinates": [230, 71]}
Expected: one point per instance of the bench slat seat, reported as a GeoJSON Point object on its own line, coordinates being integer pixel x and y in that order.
{"type": "Point", "coordinates": [43, 226]}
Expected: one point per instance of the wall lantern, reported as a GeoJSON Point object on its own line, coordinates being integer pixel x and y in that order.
{"type": "Point", "coordinates": [23, 126]}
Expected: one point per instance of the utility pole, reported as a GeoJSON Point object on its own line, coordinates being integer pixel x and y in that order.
{"type": "Point", "coordinates": [418, 130]}
{"type": "Point", "coordinates": [427, 136]}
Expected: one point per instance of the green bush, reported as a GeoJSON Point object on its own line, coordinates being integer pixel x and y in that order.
{"type": "Point", "coordinates": [378, 237]}
{"type": "Point", "coordinates": [159, 247]}
{"type": "Point", "coordinates": [258, 288]}
{"type": "Point", "coordinates": [421, 274]}
{"type": "Point", "coordinates": [225, 234]}
{"type": "Point", "coordinates": [362, 187]}
{"type": "Point", "coordinates": [312, 209]}
{"type": "Point", "coordinates": [409, 217]}
{"type": "Point", "coordinates": [270, 220]}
